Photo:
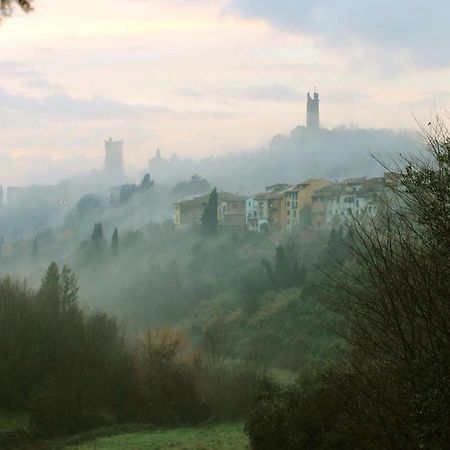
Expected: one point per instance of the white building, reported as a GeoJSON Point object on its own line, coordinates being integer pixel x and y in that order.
{"type": "Point", "coordinates": [352, 198]}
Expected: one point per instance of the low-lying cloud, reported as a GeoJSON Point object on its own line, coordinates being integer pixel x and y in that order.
{"type": "Point", "coordinates": [419, 28]}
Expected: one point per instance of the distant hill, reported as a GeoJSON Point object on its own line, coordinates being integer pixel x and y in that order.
{"type": "Point", "coordinates": [333, 154]}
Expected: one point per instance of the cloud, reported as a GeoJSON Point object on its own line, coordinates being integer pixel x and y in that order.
{"type": "Point", "coordinates": [261, 93]}
{"type": "Point", "coordinates": [431, 101]}
{"type": "Point", "coordinates": [40, 83]}
{"type": "Point", "coordinates": [61, 106]}
{"type": "Point", "coordinates": [418, 27]}
{"type": "Point", "coordinates": [17, 69]}
{"type": "Point", "coordinates": [29, 78]}
{"type": "Point", "coordinates": [269, 93]}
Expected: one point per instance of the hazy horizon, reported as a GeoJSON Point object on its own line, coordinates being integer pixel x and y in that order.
{"type": "Point", "coordinates": [202, 79]}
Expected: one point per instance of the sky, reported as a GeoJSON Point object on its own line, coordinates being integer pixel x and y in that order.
{"type": "Point", "coordinates": [207, 77]}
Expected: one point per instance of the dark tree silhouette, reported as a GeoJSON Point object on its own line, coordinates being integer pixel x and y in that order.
{"type": "Point", "coordinates": [146, 182]}
{"type": "Point", "coordinates": [209, 217]}
{"type": "Point", "coordinates": [195, 186]}
{"type": "Point", "coordinates": [97, 237]}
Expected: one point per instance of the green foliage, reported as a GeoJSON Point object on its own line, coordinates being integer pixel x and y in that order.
{"type": "Point", "coordinates": [87, 204]}
{"type": "Point", "coordinates": [390, 284]}
{"type": "Point", "coordinates": [129, 191]}
{"type": "Point", "coordinates": [209, 218]}
{"type": "Point", "coordinates": [64, 365]}
{"type": "Point", "coordinates": [311, 415]}
{"type": "Point", "coordinates": [97, 237]}
{"type": "Point", "coordinates": [126, 192]}
{"type": "Point", "coordinates": [146, 183]}
{"type": "Point", "coordinates": [210, 437]}
{"type": "Point", "coordinates": [195, 186]}
{"type": "Point", "coordinates": [287, 272]}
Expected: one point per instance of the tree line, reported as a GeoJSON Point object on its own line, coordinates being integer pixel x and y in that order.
{"type": "Point", "coordinates": [72, 370]}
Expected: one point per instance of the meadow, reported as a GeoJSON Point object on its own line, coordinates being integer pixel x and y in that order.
{"type": "Point", "coordinates": [214, 437]}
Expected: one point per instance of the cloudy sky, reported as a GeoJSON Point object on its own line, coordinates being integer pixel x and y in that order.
{"type": "Point", "coordinates": [207, 77]}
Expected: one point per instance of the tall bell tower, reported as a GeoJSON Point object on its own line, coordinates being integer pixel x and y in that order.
{"type": "Point", "coordinates": [312, 111]}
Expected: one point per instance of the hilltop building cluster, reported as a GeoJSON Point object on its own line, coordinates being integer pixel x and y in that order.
{"type": "Point", "coordinates": [315, 203]}
{"type": "Point", "coordinates": [113, 171]}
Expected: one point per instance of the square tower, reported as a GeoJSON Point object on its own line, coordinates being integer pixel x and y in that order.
{"type": "Point", "coordinates": [114, 157]}
{"type": "Point", "coordinates": [312, 112]}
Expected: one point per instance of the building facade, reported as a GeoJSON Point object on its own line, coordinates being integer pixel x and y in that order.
{"type": "Point", "coordinates": [353, 198]}
{"type": "Point", "coordinates": [263, 211]}
{"type": "Point", "coordinates": [230, 210]}
{"type": "Point", "coordinates": [297, 203]}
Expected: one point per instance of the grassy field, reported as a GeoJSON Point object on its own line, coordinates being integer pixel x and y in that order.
{"type": "Point", "coordinates": [10, 421]}
{"type": "Point", "coordinates": [219, 437]}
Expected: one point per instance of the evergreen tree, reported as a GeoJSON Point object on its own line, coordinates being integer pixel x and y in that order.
{"type": "Point", "coordinates": [209, 217]}
{"type": "Point", "coordinates": [49, 290]}
{"type": "Point", "coordinates": [115, 242]}
{"type": "Point", "coordinates": [97, 237]}
{"type": "Point", "coordinates": [68, 289]}
{"type": "Point", "coordinates": [146, 183]}
{"type": "Point", "coordinates": [281, 267]}
{"type": "Point", "coordinates": [126, 192]}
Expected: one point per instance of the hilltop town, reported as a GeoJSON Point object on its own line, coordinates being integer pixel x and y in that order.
{"type": "Point", "coordinates": [298, 192]}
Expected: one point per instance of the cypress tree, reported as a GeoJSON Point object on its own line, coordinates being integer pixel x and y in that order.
{"type": "Point", "coordinates": [97, 237]}
{"type": "Point", "coordinates": [209, 217]}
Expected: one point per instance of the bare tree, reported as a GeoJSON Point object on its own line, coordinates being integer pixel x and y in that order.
{"type": "Point", "coordinates": [395, 294]}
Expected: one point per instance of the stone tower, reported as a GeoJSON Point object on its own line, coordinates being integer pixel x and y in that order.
{"type": "Point", "coordinates": [114, 158]}
{"type": "Point", "coordinates": [312, 112]}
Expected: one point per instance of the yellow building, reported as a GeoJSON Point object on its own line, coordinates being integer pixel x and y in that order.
{"type": "Point", "coordinates": [188, 211]}
{"type": "Point", "coordinates": [297, 202]}
{"type": "Point", "coordinates": [230, 210]}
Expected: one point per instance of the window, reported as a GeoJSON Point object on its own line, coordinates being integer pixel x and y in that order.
{"type": "Point", "coordinates": [288, 204]}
